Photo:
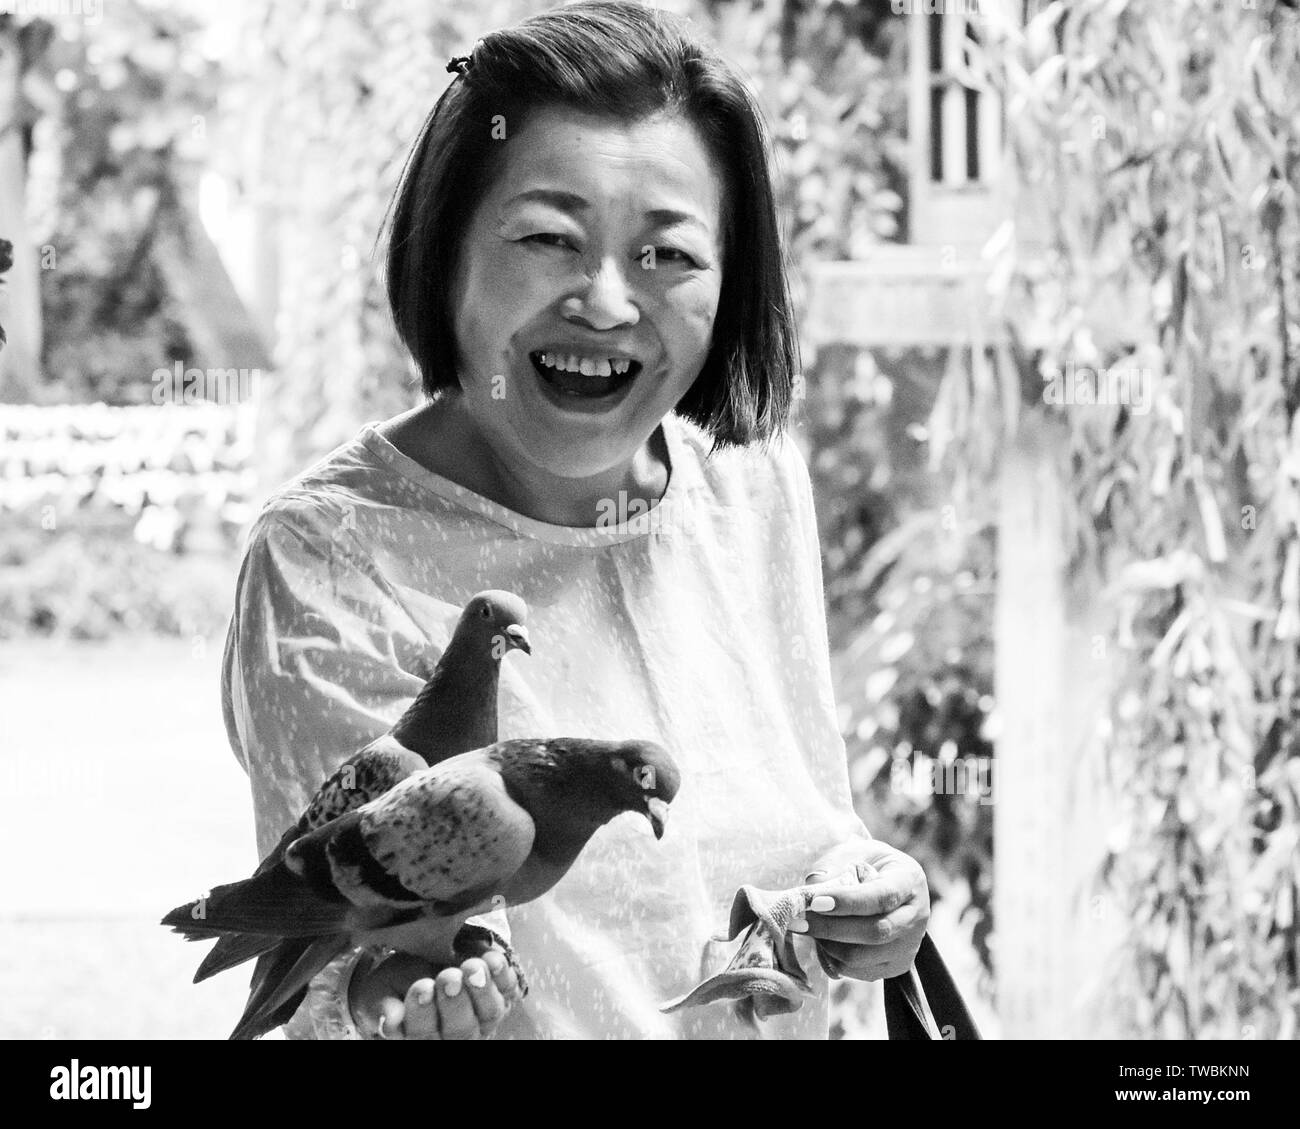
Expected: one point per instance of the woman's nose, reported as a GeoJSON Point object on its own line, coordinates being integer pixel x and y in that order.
{"type": "Point", "coordinates": [606, 300]}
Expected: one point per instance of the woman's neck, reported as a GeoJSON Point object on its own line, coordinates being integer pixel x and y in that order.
{"type": "Point", "coordinates": [441, 438]}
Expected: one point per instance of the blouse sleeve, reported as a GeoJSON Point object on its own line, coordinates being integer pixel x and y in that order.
{"type": "Point", "coordinates": [311, 673]}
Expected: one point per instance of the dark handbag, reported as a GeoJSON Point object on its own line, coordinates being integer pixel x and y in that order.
{"type": "Point", "coordinates": [924, 1002]}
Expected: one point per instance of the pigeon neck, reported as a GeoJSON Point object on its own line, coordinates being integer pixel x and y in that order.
{"type": "Point", "coordinates": [456, 711]}
{"type": "Point", "coordinates": [561, 841]}
{"type": "Point", "coordinates": [564, 824]}
{"type": "Point", "coordinates": [558, 783]}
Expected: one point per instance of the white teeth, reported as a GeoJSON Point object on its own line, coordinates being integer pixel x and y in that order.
{"type": "Point", "coordinates": [588, 366]}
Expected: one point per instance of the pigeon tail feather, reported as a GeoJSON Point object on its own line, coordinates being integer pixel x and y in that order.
{"type": "Point", "coordinates": [282, 978]}
{"type": "Point", "coordinates": [276, 903]}
{"type": "Point", "coordinates": [232, 950]}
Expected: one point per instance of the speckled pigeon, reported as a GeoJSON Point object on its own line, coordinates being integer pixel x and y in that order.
{"type": "Point", "coordinates": [455, 712]}
{"type": "Point", "coordinates": [765, 977]}
{"type": "Point", "coordinates": [499, 825]}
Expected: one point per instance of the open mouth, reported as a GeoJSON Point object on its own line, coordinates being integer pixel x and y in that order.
{"type": "Point", "coordinates": [607, 380]}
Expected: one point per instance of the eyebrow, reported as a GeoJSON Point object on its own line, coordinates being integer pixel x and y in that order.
{"type": "Point", "coordinates": [572, 202]}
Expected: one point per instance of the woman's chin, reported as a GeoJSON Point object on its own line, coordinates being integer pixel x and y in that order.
{"type": "Point", "coordinates": [571, 447]}
{"type": "Point", "coordinates": [579, 463]}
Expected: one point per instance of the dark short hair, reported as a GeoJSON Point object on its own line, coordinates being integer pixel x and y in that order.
{"type": "Point", "coordinates": [624, 62]}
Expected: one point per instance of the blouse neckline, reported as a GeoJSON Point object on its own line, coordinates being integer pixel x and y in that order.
{"type": "Point", "coordinates": [624, 529]}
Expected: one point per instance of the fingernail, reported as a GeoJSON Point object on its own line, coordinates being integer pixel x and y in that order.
{"type": "Point", "coordinates": [424, 997]}
{"type": "Point", "coordinates": [452, 988]}
{"type": "Point", "coordinates": [478, 978]}
{"type": "Point", "coordinates": [822, 903]}
{"type": "Point", "coordinates": [798, 925]}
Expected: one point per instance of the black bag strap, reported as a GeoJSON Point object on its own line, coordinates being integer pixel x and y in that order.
{"type": "Point", "coordinates": [906, 1001]}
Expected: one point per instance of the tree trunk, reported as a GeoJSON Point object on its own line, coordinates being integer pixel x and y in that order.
{"type": "Point", "coordinates": [1053, 931]}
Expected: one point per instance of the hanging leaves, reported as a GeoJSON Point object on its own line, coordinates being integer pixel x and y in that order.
{"type": "Point", "coordinates": [1180, 215]}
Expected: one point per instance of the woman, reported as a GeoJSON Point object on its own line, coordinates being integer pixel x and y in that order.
{"type": "Point", "coordinates": [584, 263]}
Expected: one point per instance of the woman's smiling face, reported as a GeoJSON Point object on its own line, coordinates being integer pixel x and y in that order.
{"type": "Point", "coordinates": [598, 241]}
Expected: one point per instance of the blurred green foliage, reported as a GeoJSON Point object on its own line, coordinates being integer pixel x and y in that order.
{"type": "Point", "coordinates": [1157, 142]}
{"type": "Point", "coordinates": [910, 585]}
{"type": "Point", "coordinates": [130, 122]}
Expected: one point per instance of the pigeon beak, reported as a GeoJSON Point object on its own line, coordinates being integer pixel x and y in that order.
{"type": "Point", "coordinates": [518, 636]}
{"type": "Point", "coordinates": [657, 814]}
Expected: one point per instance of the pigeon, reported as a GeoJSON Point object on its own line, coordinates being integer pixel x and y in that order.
{"type": "Point", "coordinates": [455, 712]}
{"type": "Point", "coordinates": [493, 827]}
{"type": "Point", "coordinates": [765, 977]}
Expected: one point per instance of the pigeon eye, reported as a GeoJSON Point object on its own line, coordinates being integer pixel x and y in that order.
{"type": "Point", "coordinates": [487, 612]}
{"type": "Point", "coordinates": [644, 775]}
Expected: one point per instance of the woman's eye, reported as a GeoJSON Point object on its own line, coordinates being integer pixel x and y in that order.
{"type": "Point", "coordinates": [674, 254]}
{"type": "Point", "coordinates": [548, 239]}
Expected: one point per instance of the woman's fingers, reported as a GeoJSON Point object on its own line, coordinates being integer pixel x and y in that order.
{"type": "Point", "coordinates": [874, 912]}
{"type": "Point", "coordinates": [879, 929]}
{"type": "Point", "coordinates": [455, 1009]}
{"type": "Point", "coordinates": [503, 975]}
{"type": "Point", "coordinates": [877, 896]}
{"type": "Point", "coordinates": [391, 1014]}
{"type": "Point", "coordinates": [487, 1001]}
{"type": "Point", "coordinates": [421, 1020]}
{"type": "Point", "coordinates": [457, 1003]}
{"type": "Point", "coordinates": [868, 929]}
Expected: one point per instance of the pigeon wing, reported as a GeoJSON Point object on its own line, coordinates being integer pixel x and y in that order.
{"type": "Point", "coordinates": [451, 835]}
{"type": "Point", "coordinates": [361, 778]}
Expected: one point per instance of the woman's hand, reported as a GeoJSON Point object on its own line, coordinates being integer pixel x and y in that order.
{"type": "Point", "coordinates": [869, 930]}
{"type": "Point", "coordinates": [405, 997]}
